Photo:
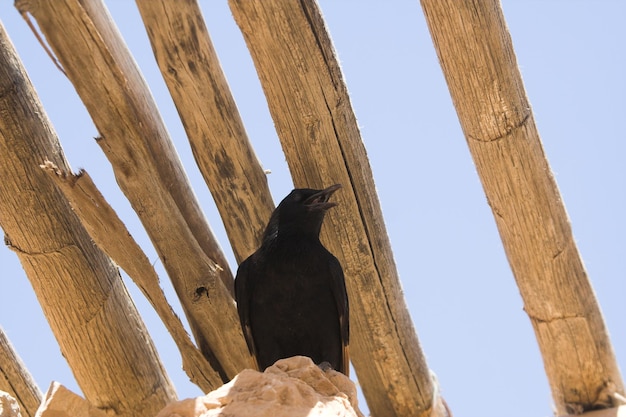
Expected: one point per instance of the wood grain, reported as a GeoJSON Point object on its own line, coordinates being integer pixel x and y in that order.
{"type": "Point", "coordinates": [476, 54]}
{"type": "Point", "coordinates": [109, 233]}
{"type": "Point", "coordinates": [16, 380]}
{"type": "Point", "coordinates": [220, 145]}
{"type": "Point", "coordinates": [148, 170]}
{"type": "Point", "coordinates": [309, 103]}
{"type": "Point", "coordinates": [79, 289]}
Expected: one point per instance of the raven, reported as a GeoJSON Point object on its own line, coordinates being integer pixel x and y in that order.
{"type": "Point", "coordinates": [291, 294]}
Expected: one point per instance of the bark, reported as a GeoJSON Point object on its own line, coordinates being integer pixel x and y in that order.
{"type": "Point", "coordinates": [478, 61]}
{"type": "Point", "coordinates": [16, 380]}
{"type": "Point", "coordinates": [110, 234]}
{"type": "Point", "coordinates": [311, 109]}
{"type": "Point", "coordinates": [81, 292]}
{"type": "Point", "coordinates": [218, 139]}
{"type": "Point", "coordinates": [148, 170]}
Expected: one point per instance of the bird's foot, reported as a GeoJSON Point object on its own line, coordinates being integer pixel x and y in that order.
{"type": "Point", "coordinates": [325, 366]}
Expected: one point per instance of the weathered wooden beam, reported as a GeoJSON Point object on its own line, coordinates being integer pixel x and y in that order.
{"type": "Point", "coordinates": [147, 169]}
{"type": "Point", "coordinates": [311, 109]}
{"type": "Point", "coordinates": [478, 61]}
{"type": "Point", "coordinates": [192, 72]}
{"type": "Point", "coordinates": [80, 291]}
{"type": "Point", "coordinates": [110, 234]}
{"type": "Point", "coordinates": [15, 378]}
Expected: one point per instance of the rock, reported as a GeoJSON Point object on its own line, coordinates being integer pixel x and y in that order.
{"type": "Point", "coordinates": [61, 402]}
{"type": "Point", "coordinates": [291, 387]}
{"type": "Point", "coordinates": [8, 406]}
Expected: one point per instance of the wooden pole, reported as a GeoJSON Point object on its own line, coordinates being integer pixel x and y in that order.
{"type": "Point", "coordinates": [80, 291]}
{"type": "Point", "coordinates": [16, 380]}
{"type": "Point", "coordinates": [478, 61]}
{"type": "Point", "coordinates": [148, 170]}
{"type": "Point", "coordinates": [110, 234]}
{"type": "Point", "coordinates": [311, 109]}
{"type": "Point", "coordinates": [192, 72]}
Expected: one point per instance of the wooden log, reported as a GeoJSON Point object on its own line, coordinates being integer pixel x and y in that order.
{"type": "Point", "coordinates": [220, 145]}
{"type": "Point", "coordinates": [478, 61]}
{"type": "Point", "coordinates": [148, 170]}
{"type": "Point", "coordinates": [15, 378]}
{"type": "Point", "coordinates": [110, 234]}
{"type": "Point", "coordinates": [80, 291]}
{"type": "Point", "coordinates": [311, 109]}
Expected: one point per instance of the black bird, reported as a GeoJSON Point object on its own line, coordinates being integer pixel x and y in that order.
{"type": "Point", "coordinates": [291, 295]}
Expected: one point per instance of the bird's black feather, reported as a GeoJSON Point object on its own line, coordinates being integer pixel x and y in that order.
{"type": "Point", "coordinates": [291, 294]}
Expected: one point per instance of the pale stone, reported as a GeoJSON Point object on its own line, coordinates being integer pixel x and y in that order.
{"type": "Point", "coordinates": [61, 402]}
{"type": "Point", "coordinates": [8, 406]}
{"type": "Point", "coordinates": [292, 387]}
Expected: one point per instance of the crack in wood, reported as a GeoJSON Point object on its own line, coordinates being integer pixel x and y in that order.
{"type": "Point", "coordinates": [508, 130]}
{"type": "Point", "coordinates": [550, 320]}
{"type": "Point", "coordinates": [21, 251]}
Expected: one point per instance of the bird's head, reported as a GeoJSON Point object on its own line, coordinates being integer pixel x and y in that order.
{"type": "Point", "coordinates": [302, 210]}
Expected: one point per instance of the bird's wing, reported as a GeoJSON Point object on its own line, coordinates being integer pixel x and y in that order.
{"type": "Point", "coordinates": [341, 299]}
{"type": "Point", "coordinates": [243, 292]}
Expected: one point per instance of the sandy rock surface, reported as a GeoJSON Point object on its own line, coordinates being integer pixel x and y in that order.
{"type": "Point", "coordinates": [292, 387]}
{"type": "Point", "coordinates": [8, 406]}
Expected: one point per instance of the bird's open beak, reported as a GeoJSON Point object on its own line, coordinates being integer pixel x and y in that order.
{"type": "Point", "coordinates": [319, 201]}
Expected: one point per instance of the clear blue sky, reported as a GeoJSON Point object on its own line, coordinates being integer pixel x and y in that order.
{"type": "Point", "coordinates": [462, 296]}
